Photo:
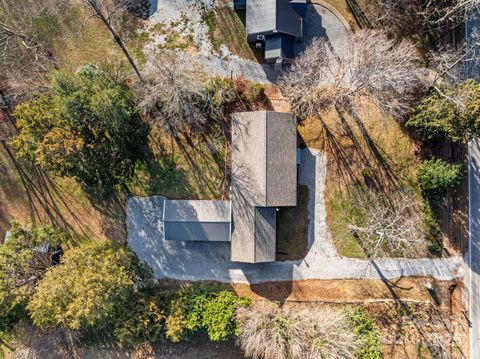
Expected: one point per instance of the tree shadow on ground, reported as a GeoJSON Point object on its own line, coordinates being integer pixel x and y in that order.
{"type": "Point", "coordinates": [46, 200]}
{"type": "Point", "coordinates": [430, 342]}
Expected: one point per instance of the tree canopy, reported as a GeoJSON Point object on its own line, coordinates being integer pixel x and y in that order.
{"type": "Point", "coordinates": [451, 112]}
{"type": "Point", "coordinates": [99, 288]}
{"type": "Point", "coordinates": [18, 273]}
{"type": "Point", "coordinates": [87, 128]}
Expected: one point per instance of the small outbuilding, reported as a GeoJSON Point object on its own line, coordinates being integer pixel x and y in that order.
{"type": "Point", "coordinates": [201, 221]}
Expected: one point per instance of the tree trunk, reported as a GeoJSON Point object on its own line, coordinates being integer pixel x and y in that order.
{"type": "Point", "coordinates": [118, 40]}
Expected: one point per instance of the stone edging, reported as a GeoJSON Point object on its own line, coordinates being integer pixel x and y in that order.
{"type": "Point", "coordinates": [333, 11]}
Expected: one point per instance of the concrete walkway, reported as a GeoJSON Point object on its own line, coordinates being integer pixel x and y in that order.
{"type": "Point", "coordinates": [211, 261]}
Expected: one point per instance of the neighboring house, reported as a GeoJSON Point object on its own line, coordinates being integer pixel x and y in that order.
{"type": "Point", "coordinates": [264, 177]}
{"type": "Point", "coordinates": [276, 25]}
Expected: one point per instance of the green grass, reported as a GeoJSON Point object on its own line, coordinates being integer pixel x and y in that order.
{"type": "Point", "coordinates": [339, 210]}
{"type": "Point", "coordinates": [292, 229]}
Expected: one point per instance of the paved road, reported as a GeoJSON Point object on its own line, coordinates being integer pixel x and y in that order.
{"type": "Point", "coordinates": [472, 28]}
{"type": "Point", "coordinates": [473, 257]}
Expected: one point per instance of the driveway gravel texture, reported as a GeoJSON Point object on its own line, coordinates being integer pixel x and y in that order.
{"type": "Point", "coordinates": [185, 17]}
{"type": "Point", "coordinates": [197, 261]}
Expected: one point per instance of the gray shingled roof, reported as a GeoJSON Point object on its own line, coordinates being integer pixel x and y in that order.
{"type": "Point", "coordinates": [271, 16]}
{"type": "Point", "coordinates": [197, 220]}
{"type": "Point", "coordinates": [264, 176]}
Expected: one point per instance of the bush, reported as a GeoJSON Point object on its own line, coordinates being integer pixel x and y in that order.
{"type": "Point", "coordinates": [270, 332]}
{"type": "Point", "coordinates": [101, 289]}
{"type": "Point", "coordinates": [203, 308]}
{"type": "Point", "coordinates": [88, 128]}
{"type": "Point", "coordinates": [432, 229]}
{"type": "Point", "coordinates": [367, 333]}
{"type": "Point", "coordinates": [454, 113]}
{"type": "Point", "coordinates": [436, 177]}
{"type": "Point", "coordinates": [144, 322]}
{"type": "Point", "coordinates": [221, 93]}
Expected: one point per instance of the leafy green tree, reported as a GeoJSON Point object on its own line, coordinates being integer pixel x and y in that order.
{"type": "Point", "coordinates": [451, 112]}
{"type": "Point", "coordinates": [203, 308]}
{"type": "Point", "coordinates": [21, 268]}
{"type": "Point", "coordinates": [100, 288]}
{"type": "Point", "coordinates": [436, 177]}
{"type": "Point", "coordinates": [87, 128]}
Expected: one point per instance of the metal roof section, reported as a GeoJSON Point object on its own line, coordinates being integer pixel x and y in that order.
{"type": "Point", "coordinates": [279, 46]}
{"type": "Point", "coordinates": [201, 221]}
{"type": "Point", "coordinates": [196, 211]}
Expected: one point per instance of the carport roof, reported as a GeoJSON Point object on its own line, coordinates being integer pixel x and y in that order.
{"type": "Point", "coordinates": [196, 211]}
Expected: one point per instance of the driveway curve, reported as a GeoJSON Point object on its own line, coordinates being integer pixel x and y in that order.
{"type": "Point", "coordinates": [197, 261]}
{"type": "Point", "coordinates": [322, 22]}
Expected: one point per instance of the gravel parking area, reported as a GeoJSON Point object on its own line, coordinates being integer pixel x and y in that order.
{"type": "Point", "coordinates": [185, 17]}
{"type": "Point", "coordinates": [321, 22]}
{"type": "Point", "coordinates": [211, 261]}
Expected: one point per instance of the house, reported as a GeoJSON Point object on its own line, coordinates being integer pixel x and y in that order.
{"type": "Point", "coordinates": [264, 177]}
{"type": "Point", "coordinates": [276, 25]}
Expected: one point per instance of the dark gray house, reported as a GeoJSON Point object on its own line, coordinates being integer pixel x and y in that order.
{"type": "Point", "coordinates": [264, 177]}
{"type": "Point", "coordinates": [276, 25]}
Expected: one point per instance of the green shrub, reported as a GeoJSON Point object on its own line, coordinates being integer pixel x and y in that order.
{"type": "Point", "coordinates": [203, 308]}
{"type": "Point", "coordinates": [432, 229]}
{"type": "Point", "coordinates": [144, 322]}
{"type": "Point", "coordinates": [220, 93]}
{"type": "Point", "coordinates": [217, 318]}
{"type": "Point", "coordinates": [436, 177]}
{"type": "Point", "coordinates": [454, 113]}
{"type": "Point", "coordinates": [367, 332]}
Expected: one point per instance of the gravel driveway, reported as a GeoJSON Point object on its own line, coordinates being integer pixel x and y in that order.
{"type": "Point", "coordinates": [319, 21]}
{"type": "Point", "coordinates": [211, 261]}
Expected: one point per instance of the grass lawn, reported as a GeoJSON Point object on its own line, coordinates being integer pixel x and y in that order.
{"type": "Point", "coordinates": [227, 27]}
{"type": "Point", "coordinates": [187, 168]}
{"type": "Point", "coordinates": [292, 229]}
{"type": "Point", "coordinates": [374, 151]}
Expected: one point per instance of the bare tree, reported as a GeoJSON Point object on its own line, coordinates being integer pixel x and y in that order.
{"type": "Point", "coordinates": [172, 97]}
{"type": "Point", "coordinates": [417, 17]}
{"type": "Point", "coordinates": [270, 332]}
{"type": "Point", "coordinates": [460, 8]}
{"type": "Point", "coordinates": [390, 225]}
{"type": "Point", "coordinates": [368, 66]}
{"type": "Point", "coordinates": [106, 11]}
